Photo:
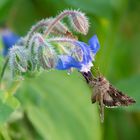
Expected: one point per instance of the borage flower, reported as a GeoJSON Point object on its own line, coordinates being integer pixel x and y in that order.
{"type": "Point", "coordinates": [8, 39]}
{"type": "Point", "coordinates": [48, 49]}
{"type": "Point", "coordinates": [66, 62]}
{"type": "Point", "coordinates": [50, 44]}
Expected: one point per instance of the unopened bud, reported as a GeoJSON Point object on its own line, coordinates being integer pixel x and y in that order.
{"type": "Point", "coordinates": [18, 59]}
{"type": "Point", "coordinates": [46, 57]}
{"type": "Point", "coordinates": [60, 28]}
{"type": "Point", "coordinates": [79, 22]}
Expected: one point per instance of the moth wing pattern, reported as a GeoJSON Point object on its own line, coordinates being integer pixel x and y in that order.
{"type": "Point", "coordinates": [114, 98]}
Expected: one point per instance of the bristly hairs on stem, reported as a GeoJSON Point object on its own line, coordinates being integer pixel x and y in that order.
{"type": "Point", "coordinates": [18, 58]}
{"type": "Point", "coordinates": [40, 24]}
{"type": "Point", "coordinates": [37, 38]}
{"type": "Point", "coordinates": [78, 19]}
{"type": "Point", "coordinates": [46, 56]}
{"type": "Point", "coordinates": [60, 28]}
{"type": "Point", "coordinates": [62, 39]}
{"type": "Point", "coordinates": [42, 52]}
{"type": "Point", "coordinates": [79, 22]}
{"type": "Point", "coordinates": [76, 51]}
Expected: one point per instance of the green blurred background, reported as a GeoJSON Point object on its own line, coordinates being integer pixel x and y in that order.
{"type": "Point", "coordinates": [56, 106]}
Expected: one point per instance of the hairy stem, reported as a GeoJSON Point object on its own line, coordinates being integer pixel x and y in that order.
{"type": "Point", "coordinates": [62, 40]}
{"type": "Point", "coordinates": [36, 27]}
{"type": "Point", "coordinates": [38, 37]}
{"type": "Point", "coordinates": [57, 19]}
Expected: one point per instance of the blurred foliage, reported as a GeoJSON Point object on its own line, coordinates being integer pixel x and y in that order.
{"type": "Point", "coordinates": [60, 106]}
{"type": "Point", "coordinates": [56, 106]}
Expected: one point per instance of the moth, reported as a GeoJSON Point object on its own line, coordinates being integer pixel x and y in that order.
{"type": "Point", "coordinates": [106, 94]}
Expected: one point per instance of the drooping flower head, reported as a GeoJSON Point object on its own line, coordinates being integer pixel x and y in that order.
{"type": "Point", "coordinates": [50, 44]}
{"type": "Point", "coordinates": [88, 52]}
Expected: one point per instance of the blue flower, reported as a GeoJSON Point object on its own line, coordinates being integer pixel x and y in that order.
{"type": "Point", "coordinates": [66, 62]}
{"type": "Point", "coordinates": [94, 44]}
{"type": "Point", "coordinates": [8, 40]}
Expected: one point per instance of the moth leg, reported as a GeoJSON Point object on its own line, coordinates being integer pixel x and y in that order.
{"type": "Point", "coordinates": [94, 96]}
{"type": "Point", "coordinates": [101, 107]}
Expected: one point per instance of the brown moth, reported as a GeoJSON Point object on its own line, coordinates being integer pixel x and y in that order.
{"type": "Point", "coordinates": [105, 94]}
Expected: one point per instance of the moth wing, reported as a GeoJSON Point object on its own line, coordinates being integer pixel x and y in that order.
{"type": "Point", "coordinates": [94, 96]}
{"type": "Point", "coordinates": [114, 98]}
{"type": "Point", "coordinates": [108, 100]}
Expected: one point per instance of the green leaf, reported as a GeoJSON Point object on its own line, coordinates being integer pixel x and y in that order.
{"type": "Point", "coordinates": [5, 112]}
{"type": "Point", "coordinates": [7, 106]}
{"type": "Point", "coordinates": [131, 87]}
{"type": "Point", "coordinates": [59, 107]}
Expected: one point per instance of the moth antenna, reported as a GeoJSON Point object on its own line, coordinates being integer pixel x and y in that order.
{"type": "Point", "coordinates": [97, 70]}
{"type": "Point", "coordinates": [89, 77]}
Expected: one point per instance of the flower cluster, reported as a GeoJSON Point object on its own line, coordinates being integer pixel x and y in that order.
{"type": "Point", "coordinates": [50, 44]}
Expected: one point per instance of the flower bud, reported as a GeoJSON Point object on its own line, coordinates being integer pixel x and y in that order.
{"type": "Point", "coordinates": [40, 26]}
{"type": "Point", "coordinates": [46, 57]}
{"type": "Point", "coordinates": [79, 22]}
{"type": "Point", "coordinates": [18, 59]}
{"type": "Point", "coordinates": [34, 44]}
{"type": "Point", "coordinates": [60, 28]}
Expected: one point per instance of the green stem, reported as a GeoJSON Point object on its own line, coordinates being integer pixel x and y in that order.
{"type": "Point", "coordinates": [4, 132]}
{"type": "Point", "coordinates": [13, 88]}
{"type": "Point", "coordinates": [35, 28]}
{"type": "Point", "coordinates": [3, 69]}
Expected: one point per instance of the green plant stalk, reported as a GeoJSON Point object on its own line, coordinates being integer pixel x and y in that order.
{"type": "Point", "coordinates": [13, 88]}
{"type": "Point", "coordinates": [3, 69]}
{"type": "Point", "coordinates": [4, 132]}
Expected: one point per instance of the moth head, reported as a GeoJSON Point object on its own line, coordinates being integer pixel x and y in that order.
{"type": "Point", "coordinates": [101, 78]}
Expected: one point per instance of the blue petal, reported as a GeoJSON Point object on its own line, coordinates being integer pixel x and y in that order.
{"type": "Point", "coordinates": [66, 62]}
{"type": "Point", "coordinates": [94, 44]}
{"type": "Point", "coordinates": [86, 52]}
{"type": "Point", "coordinates": [8, 39]}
